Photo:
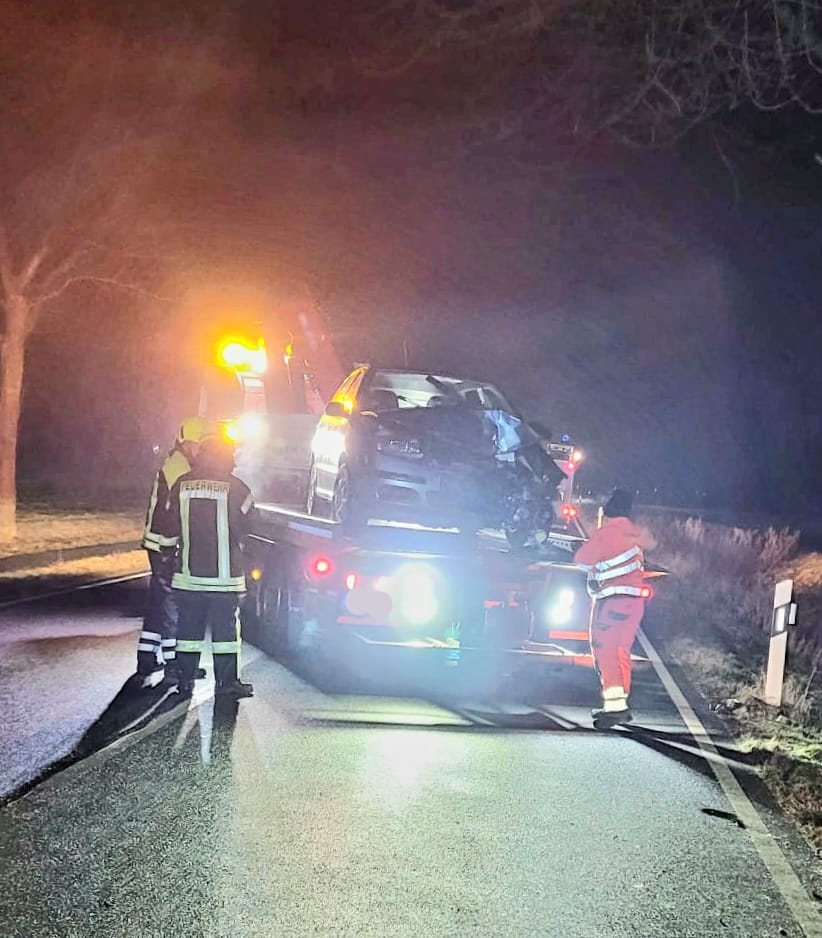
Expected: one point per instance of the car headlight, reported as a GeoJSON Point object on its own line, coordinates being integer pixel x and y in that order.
{"type": "Point", "coordinates": [561, 608]}
{"type": "Point", "coordinates": [408, 448]}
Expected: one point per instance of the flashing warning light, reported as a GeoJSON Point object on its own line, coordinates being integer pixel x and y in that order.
{"type": "Point", "coordinates": [240, 356]}
{"type": "Point", "coordinates": [232, 431]}
{"type": "Point", "coordinates": [350, 581]}
{"type": "Point", "coordinates": [570, 466]}
{"type": "Point", "coordinates": [245, 428]}
{"type": "Point", "coordinates": [569, 511]}
{"type": "Point", "coordinates": [256, 573]}
{"type": "Point", "coordinates": [321, 566]}
{"type": "Point", "coordinates": [576, 456]}
{"type": "Point", "coordinates": [645, 592]}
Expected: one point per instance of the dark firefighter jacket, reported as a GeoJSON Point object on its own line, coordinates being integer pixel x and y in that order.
{"type": "Point", "coordinates": [176, 465]}
{"type": "Point", "coordinates": [207, 519]}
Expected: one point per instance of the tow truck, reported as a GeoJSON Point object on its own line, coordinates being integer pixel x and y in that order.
{"type": "Point", "coordinates": [319, 594]}
{"type": "Point", "coordinates": [324, 598]}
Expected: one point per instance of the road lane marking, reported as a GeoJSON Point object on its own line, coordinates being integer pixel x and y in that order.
{"type": "Point", "coordinates": [94, 584]}
{"type": "Point", "coordinates": [801, 905]}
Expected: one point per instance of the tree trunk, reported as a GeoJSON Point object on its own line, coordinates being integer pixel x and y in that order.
{"type": "Point", "coordinates": [13, 350]}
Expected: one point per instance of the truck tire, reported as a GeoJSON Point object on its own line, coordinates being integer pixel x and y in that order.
{"type": "Point", "coordinates": [274, 615]}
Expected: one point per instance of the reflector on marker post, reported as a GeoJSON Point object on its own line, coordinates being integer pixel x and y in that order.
{"type": "Point", "coordinates": [784, 614]}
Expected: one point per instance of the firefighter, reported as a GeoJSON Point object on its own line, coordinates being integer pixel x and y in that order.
{"type": "Point", "coordinates": [156, 646]}
{"type": "Point", "coordinates": [208, 516]}
{"type": "Point", "coordinates": [614, 559]}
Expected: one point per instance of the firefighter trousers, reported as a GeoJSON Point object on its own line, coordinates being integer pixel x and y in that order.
{"type": "Point", "coordinates": [156, 646]}
{"type": "Point", "coordinates": [614, 625]}
{"type": "Point", "coordinates": [197, 611]}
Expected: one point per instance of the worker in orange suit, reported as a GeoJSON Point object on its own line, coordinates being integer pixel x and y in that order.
{"type": "Point", "coordinates": [613, 557]}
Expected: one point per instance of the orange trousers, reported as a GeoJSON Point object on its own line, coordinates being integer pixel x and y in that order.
{"type": "Point", "coordinates": [614, 625]}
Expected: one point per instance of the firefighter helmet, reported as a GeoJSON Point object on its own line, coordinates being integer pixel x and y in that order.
{"type": "Point", "coordinates": [192, 430]}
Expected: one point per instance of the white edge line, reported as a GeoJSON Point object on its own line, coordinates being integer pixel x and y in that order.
{"type": "Point", "coordinates": [787, 882]}
{"type": "Point", "coordinates": [94, 584]}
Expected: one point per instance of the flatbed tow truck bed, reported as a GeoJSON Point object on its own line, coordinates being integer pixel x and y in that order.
{"type": "Point", "coordinates": [316, 591]}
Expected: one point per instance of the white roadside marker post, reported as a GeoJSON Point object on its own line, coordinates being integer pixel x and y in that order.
{"type": "Point", "coordinates": [784, 614]}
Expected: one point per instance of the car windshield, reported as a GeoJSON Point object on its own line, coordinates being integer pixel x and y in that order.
{"type": "Point", "coordinates": [389, 389]}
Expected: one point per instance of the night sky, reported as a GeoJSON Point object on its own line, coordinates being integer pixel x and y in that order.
{"type": "Point", "coordinates": [661, 305]}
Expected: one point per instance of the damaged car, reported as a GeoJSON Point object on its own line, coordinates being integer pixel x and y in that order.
{"type": "Point", "coordinates": [433, 449]}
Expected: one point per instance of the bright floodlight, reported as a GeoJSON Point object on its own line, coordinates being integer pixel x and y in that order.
{"type": "Point", "coordinates": [252, 426]}
{"type": "Point", "coordinates": [415, 595]}
{"type": "Point", "coordinates": [560, 612]}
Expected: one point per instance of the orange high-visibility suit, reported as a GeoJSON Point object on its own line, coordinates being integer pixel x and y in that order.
{"type": "Point", "coordinates": [614, 559]}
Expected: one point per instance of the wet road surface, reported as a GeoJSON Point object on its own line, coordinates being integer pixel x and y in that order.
{"type": "Point", "coordinates": [313, 809]}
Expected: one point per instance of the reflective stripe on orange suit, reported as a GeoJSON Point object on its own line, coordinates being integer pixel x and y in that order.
{"type": "Point", "coordinates": [616, 619]}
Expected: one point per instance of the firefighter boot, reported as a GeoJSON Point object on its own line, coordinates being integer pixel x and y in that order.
{"type": "Point", "coordinates": [236, 689]}
{"type": "Point", "coordinates": [172, 674]}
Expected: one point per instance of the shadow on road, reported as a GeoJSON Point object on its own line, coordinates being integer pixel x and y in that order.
{"type": "Point", "coordinates": [135, 709]}
{"type": "Point", "coordinates": [132, 709]}
{"type": "Point", "coordinates": [529, 698]}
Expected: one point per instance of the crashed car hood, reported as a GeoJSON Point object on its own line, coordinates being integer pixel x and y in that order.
{"type": "Point", "coordinates": [444, 434]}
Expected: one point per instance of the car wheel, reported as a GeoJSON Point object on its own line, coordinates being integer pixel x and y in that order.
{"type": "Point", "coordinates": [343, 505]}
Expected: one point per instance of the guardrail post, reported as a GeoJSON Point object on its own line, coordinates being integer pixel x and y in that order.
{"type": "Point", "coordinates": [784, 614]}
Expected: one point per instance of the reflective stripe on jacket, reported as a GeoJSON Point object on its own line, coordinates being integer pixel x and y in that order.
{"type": "Point", "coordinates": [176, 465]}
{"type": "Point", "coordinates": [613, 558]}
{"type": "Point", "coordinates": [208, 520]}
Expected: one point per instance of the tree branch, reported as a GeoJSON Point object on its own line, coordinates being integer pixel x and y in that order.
{"type": "Point", "coordinates": [46, 298]}
{"type": "Point", "coordinates": [31, 268]}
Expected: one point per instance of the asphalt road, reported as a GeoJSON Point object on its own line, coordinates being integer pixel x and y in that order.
{"type": "Point", "coordinates": [467, 809]}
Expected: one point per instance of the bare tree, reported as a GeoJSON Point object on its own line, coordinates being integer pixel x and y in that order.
{"type": "Point", "coordinates": [94, 133]}
{"type": "Point", "coordinates": [643, 71]}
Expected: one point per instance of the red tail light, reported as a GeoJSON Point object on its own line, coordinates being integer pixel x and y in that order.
{"type": "Point", "coordinates": [569, 511]}
{"type": "Point", "coordinates": [321, 566]}
{"type": "Point", "coordinates": [645, 592]}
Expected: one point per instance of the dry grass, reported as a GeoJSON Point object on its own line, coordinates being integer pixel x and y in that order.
{"type": "Point", "coordinates": [721, 596]}
{"type": "Point", "coordinates": [91, 568]}
{"type": "Point", "coordinates": [51, 529]}
{"type": "Point", "coordinates": [714, 616]}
